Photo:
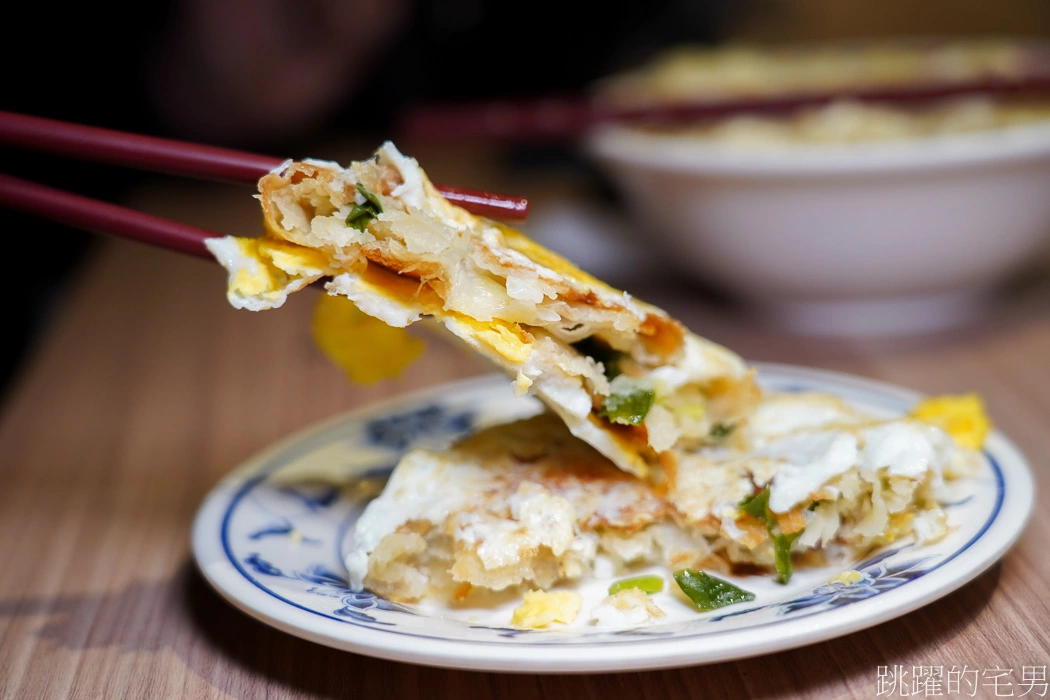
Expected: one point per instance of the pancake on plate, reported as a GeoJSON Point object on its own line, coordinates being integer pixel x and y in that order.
{"type": "Point", "coordinates": [623, 375]}
{"type": "Point", "coordinates": [807, 479]}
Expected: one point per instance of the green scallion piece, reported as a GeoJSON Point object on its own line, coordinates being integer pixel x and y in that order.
{"type": "Point", "coordinates": [757, 506]}
{"type": "Point", "coordinates": [721, 430]}
{"type": "Point", "coordinates": [708, 592]}
{"type": "Point", "coordinates": [360, 216]}
{"type": "Point", "coordinates": [782, 555]}
{"type": "Point", "coordinates": [646, 584]}
{"type": "Point", "coordinates": [628, 409]}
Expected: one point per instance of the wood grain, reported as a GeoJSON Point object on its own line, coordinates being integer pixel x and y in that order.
{"type": "Point", "coordinates": [147, 388]}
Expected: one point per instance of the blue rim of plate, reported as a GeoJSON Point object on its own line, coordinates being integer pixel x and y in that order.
{"type": "Point", "coordinates": [826, 611]}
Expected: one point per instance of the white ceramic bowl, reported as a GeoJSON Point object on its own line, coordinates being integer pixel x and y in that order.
{"type": "Point", "coordinates": [870, 237]}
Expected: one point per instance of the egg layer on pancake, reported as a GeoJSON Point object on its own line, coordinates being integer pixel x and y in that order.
{"type": "Point", "coordinates": [622, 374]}
{"type": "Point", "coordinates": [527, 503]}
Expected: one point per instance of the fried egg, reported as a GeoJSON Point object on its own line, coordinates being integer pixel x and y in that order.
{"type": "Point", "coordinates": [963, 417]}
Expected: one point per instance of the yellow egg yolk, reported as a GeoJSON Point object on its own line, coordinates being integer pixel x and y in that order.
{"type": "Point", "coordinates": [963, 417]}
{"type": "Point", "coordinates": [543, 608]}
{"type": "Point", "coordinates": [277, 264]}
{"type": "Point", "coordinates": [367, 349]}
{"type": "Point", "coordinates": [847, 578]}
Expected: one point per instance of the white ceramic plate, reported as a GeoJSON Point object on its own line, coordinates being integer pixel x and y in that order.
{"type": "Point", "coordinates": [270, 538]}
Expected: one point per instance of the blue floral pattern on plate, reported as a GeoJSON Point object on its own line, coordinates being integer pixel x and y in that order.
{"type": "Point", "coordinates": [883, 572]}
{"type": "Point", "coordinates": [400, 430]}
{"type": "Point", "coordinates": [330, 584]}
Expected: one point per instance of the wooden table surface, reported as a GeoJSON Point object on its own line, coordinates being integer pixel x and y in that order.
{"type": "Point", "coordinates": [146, 388]}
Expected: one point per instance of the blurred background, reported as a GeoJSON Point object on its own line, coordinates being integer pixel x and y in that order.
{"type": "Point", "coordinates": [332, 78]}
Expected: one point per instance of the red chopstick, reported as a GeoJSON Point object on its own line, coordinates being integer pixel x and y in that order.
{"type": "Point", "coordinates": [102, 217]}
{"type": "Point", "coordinates": [571, 116]}
{"type": "Point", "coordinates": [191, 159]}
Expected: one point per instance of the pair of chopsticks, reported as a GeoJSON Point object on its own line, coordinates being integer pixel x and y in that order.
{"type": "Point", "coordinates": [569, 117]}
{"type": "Point", "coordinates": [162, 156]}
